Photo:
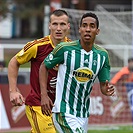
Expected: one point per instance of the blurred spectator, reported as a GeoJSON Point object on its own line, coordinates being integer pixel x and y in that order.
{"type": "Point", "coordinates": [124, 75]}
{"type": "Point", "coordinates": [120, 80]}
{"type": "Point", "coordinates": [2, 65]}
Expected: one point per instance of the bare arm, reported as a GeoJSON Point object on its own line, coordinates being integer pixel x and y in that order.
{"type": "Point", "coordinates": [13, 67]}
{"type": "Point", "coordinates": [107, 89]}
{"type": "Point", "coordinates": [46, 102]}
{"type": "Point", "coordinates": [15, 97]}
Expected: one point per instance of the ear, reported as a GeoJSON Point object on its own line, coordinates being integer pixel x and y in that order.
{"type": "Point", "coordinates": [68, 25]}
{"type": "Point", "coordinates": [98, 30]}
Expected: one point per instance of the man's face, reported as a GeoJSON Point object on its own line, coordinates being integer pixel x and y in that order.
{"type": "Point", "coordinates": [59, 27]}
{"type": "Point", "coordinates": [88, 30]}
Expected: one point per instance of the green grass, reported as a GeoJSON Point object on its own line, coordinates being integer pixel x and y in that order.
{"type": "Point", "coordinates": [110, 131]}
{"type": "Point", "coordinates": [97, 131]}
{"type": "Point", "coordinates": [122, 129]}
{"type": "Point", "coordinates": [114, 129]}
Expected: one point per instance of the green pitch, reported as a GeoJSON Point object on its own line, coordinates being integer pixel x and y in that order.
{"type": "Point", "coordinates": [119, 129]}
{"type": "Point", "coordinates": [122, 129]}
{"type": "Point", "coordinates": [97, 131]}
{"type": "Point", "coordinates": [110, 131]}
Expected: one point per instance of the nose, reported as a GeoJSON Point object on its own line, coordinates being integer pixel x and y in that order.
{"type": "Point", "coordinates": [87, 28]}
{"type": "Point", "coordinates": [58, 27]}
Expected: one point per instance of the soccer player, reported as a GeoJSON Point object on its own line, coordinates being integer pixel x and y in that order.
{"type": "Point", "coordinates": [80, 62]}
{"type": "Point", "coordinates": [35, 52]}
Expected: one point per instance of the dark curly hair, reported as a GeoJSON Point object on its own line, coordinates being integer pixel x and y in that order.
{"type": "Point", "coordinates": [90, 14]}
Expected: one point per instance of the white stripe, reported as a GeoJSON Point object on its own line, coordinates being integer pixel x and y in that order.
{"type": "Point", "coordinates": [98, 64]}
{"type": "Point", "coordinates": [103, 61]}
{"type": "Point", "coordinates": [59, 84]}
{"type": "Point", "coordinates": [90, 66]}
{"type": "Point", "coordinates": [88, 95]}
{"type": "Point", "coordinates": [82, 58]}
{"type": "Point", "coordinates": [70, 78]}
{"type": "Point", "coordinates": [75, 100]}
{"type": "Point", "coordinates": [77, 88]}
{"type": "Point", "coordinates": [57, 125]}
{"type": "Point", "coordinates": [90, 60]}
{"type": "Point", "coordinates": [82, 65]}
{"type": "Point", "coordinates": [83, 99]}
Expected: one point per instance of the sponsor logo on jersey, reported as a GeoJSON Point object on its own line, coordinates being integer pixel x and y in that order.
{"type": "Point", "coordinates": [83, 74]}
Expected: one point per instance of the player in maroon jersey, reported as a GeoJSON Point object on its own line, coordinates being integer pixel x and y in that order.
{"type": "Point", "coordinates": [35, 52]}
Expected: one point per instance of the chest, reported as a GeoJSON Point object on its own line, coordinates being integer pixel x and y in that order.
{"type": "Point", "coordinates": [42, 52]}
{"type": "Point", "coordinates": [78, 59]}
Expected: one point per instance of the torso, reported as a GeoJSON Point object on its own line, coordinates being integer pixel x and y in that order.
{"type": "Point", "coordinates": [41, 48]}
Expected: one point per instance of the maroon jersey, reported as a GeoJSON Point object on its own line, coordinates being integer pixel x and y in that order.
{"type": "Point", "coordinates": [35, 52]}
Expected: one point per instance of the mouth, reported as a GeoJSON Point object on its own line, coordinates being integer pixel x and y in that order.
{"type": "Point", "coordinates": [87, 36]}
{"type": "Point", "coordinates": [58, 34]}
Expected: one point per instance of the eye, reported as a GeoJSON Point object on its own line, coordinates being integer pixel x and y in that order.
{"type": "Point", "coordinates": [92, 25]}
{"type": "Point", "coordinates": [62, 24]}
{"type": "Point", "coordinates": [54, 24]}
{"type": "Point", "coordinates": [84, 25]}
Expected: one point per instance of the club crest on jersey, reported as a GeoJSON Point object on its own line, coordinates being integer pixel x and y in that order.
{"type": "Point", "coordinates": [83, 74]}
{"type": "Point", "coordinates": [21, 52]}
{"type": "Point", "coordinates": [50, 57]}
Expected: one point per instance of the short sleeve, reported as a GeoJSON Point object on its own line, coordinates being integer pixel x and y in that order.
{"type": "Point", "coordinates": [55, 57]}
{"type": "Point", "coordinates": [104, 73]}
{"type": "Point", "coordinates": [25, 55]}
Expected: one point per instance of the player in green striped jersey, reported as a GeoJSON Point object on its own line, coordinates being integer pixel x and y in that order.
{"type": "Point", "coordinates": [80, 62]}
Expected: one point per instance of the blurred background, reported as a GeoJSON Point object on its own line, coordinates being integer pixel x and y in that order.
{"type": "Point", "coordinates": [24, 20]}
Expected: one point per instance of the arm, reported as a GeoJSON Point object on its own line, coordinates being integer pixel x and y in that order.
{"type": "Point", "coordinates": [46, 102]}
{"type": "Point", "coordinates": [54, 58]}
{"type": "Point", "coordinates": [15, 97]}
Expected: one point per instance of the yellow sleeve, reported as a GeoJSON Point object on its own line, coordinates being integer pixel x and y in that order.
{"type": "Point", "coordinates": [27, 53]}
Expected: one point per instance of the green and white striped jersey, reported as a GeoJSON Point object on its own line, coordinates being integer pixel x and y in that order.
{"type": "Point", "coordinates": [77, 72]}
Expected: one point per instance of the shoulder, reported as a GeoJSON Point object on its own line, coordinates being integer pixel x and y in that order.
{"type": "Point", "coordinates": [38, 42]}
{"type": "Point", "coordinates": [63, 45]}
{"type": "Point", "coordinates": [99, 49]}
{"type": "Point", "coordinates": [125, 69]}
{"type": "Point", "coordinates": [66, 44]}
{"type": "Point", "coordinates": [67, 39]}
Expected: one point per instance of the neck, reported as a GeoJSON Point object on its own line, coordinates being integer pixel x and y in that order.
{"type": "Point", "coordinates": [55, 41]}
{"type": "Point", "coordinates": [86, 46]}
